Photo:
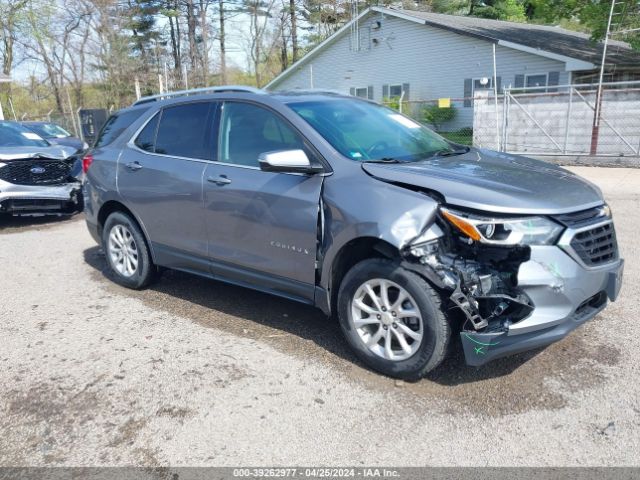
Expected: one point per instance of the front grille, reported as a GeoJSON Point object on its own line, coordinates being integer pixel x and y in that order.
{"type": "Point", "coordinates": [36, 172]}
{"type": "Point", "coordinates": [597, 245]}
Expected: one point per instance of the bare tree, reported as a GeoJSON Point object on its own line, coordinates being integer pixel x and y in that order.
{"type": "Point", "coordinates": [10, 16]}
{"type": "Point", "coordinates": [263, 35]}
{"type": "Point", "coordinates": [293, 25]}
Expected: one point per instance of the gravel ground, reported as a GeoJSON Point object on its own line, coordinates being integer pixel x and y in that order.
{"type": "Point", "coordinates": [195, 372]}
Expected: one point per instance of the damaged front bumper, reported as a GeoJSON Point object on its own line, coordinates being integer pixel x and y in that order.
{"type": "Point", "coordinates": [514, 298]}
{"type": "Point", "coordinates": [36, 199]}
{"type": "Point", "coordinates": [565, 296]}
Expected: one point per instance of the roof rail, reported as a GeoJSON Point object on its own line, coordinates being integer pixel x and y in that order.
{"type": "Point", "coordinates": [196, 91]}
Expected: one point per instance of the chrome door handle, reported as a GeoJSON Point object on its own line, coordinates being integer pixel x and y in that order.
{"type": "Point", "coordinates": [220, 180]}
{"type": "Point", "coordinates": [134, 166]}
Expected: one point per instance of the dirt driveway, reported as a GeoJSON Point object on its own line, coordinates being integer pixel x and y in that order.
{"type": "Point", "coordinates": [195, 372]}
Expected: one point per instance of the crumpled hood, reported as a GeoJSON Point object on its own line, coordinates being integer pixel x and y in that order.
{"type": "Point", "coordinates": [58, 152]}
{"type": "Point", "coordinates": [495, 182]}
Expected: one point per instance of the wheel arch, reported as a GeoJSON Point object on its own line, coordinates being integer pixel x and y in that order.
{"type": "Point", "coordinates": [351, 253]}
{"type": "Point", "coordinates": [112, 206]}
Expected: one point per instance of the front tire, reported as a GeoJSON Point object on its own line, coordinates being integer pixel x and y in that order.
{"type": "Point", "coordinates": [392, 318]}
{"type": "Point", "coordinates": [127, 253]}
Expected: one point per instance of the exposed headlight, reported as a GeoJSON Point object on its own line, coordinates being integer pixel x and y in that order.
{"type": "Point", "coordinates": [505, 230]}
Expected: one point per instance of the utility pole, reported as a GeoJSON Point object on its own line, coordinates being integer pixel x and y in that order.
{"type": "Point", "coordinates": [598, 110]}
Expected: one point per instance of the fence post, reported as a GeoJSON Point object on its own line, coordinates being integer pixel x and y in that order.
{"type": "Point", "coordinates": [79, 119]}
{"type": "Point", "coordinates": [505, 114]}
{"type": "Point", "coordinates": [568, 122]}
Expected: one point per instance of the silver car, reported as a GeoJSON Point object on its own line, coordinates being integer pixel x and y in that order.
{"type": "Point", "coordinates": [407, 239]}
{"type": "Point", "coordinates": [37, 177]}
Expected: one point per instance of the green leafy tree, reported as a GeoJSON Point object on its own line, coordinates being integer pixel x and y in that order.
{"type": "Point", "coordinates": [591, 16]}
{"type": "Point", "coordinates": [512, 10]}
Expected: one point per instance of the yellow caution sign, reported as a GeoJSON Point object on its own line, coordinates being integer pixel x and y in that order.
{"type": "Point", "coordinates": [444, 103]}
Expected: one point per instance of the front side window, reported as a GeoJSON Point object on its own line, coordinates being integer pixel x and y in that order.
{"type": "Point", "coordinates": [364, 131]}
{"type": "Point", "coordinates": [247, 130]}
{"type": "Point", "coordinates": [184, 131]}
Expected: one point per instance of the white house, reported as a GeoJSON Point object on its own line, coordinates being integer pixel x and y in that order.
{"type": "Point", "coordinates": [384, 52]}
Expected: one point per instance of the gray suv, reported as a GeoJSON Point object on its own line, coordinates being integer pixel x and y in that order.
{"type": "Point", "coordinates": [337, 202]}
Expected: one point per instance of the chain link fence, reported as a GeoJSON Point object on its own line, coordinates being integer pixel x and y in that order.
{"type": "Point", "coordinates": [569, 120]}
{"type": "Point", "coordinates": [68, 121]}
{"type": "Point", "coordinates": [451, 117]}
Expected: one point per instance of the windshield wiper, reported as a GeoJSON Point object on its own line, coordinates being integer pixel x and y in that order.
{"type": "Point", "coordinates": [449, 153]}
{"type": "Point", "coordinates": [384, 160]}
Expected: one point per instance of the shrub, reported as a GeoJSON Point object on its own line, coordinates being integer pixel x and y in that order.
{"type": "Point", "coordinates": [394, 102]}
{"type": "Point", "coordinates": [437, 116]}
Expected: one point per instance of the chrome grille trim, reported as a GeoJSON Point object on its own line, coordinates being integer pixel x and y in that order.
{"type": "Point", "coordinates": [593, 246]}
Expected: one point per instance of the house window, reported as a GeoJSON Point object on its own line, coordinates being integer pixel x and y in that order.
{"type": "Point", "coordinates": [479, 85]}
{"type": "Point", "coordinates": [395, 91]}
{"type": "Point", "coordinates": [361, 92]}
{"type": "Point", "coordinates": [536, 80]}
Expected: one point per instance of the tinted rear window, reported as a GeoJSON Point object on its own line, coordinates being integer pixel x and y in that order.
{"type": "Point", "coordinates": [146, 140]}
{"type": "Point", "coordinates": [117, 123]}
{"type": "Point", "coordinates": [184, 131]}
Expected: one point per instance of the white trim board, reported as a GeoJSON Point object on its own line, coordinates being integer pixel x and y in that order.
{"type": "Point", "coordinates": [571, 64]}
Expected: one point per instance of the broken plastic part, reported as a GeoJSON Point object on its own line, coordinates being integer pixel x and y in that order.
{"type": "Point", "coordinates": [482, 279]}
{"type": "Point", "coordinates": [469, 308]}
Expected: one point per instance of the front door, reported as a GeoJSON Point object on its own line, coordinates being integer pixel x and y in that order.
{"type": "Point", "coordinates": [160, 177]}
{"type": "Point", "coordinates": [262, 226]}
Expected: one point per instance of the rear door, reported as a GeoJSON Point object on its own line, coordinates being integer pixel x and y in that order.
{"type": "Point", "coordinates": [160, 177]}
{"type": "Point", "coordinates": [262, 226]}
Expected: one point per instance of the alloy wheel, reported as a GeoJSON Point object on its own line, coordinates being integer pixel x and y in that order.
{"type": "Point", "coordinates": [123, 250]}
{"type": "Point", "coordinates": [387, 319]}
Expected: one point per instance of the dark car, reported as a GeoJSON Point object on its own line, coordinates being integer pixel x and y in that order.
{"type": "Point", "coordinates": [347, 205]}
{"type": "Point", "coordinates": [57, 135]}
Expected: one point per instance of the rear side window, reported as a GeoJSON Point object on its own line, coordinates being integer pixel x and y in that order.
{"type": "Point", "coordinates": [117, 123]}
{"type": "Point", "coordinates": [146, 140]}
{"type": "Point", "coordinates": [184, 131]}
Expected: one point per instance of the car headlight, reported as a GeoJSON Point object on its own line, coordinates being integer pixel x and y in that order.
{"type": "Point", "coordinates": [504, 230]}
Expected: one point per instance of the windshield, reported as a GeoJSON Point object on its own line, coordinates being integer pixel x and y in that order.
{"type": "Point", "coordinates": [15, 135]}
{"type": "Point", "coordinates": [365, 131]}
{"type": "Point", "coordinates": [49, 130]}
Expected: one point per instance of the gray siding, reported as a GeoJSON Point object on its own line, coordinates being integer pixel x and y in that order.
{"type": "Point", "coordinates": [433, 61]}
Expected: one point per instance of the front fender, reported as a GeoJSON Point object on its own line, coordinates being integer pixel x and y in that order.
{"type": "Point", "coordinates": [370, 208]}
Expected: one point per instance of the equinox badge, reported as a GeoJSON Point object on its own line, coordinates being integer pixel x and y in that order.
{"type": "Point", "coordinates": [293, 248]}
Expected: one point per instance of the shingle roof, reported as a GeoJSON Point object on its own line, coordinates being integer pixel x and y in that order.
{"type": "Point", "coordinates": [551, 39]}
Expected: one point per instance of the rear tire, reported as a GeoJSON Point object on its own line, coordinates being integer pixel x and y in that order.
{"type": "Point", "coordinates": [127, 253]}
{"type": "Point", "coordinates": [406, 309]}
